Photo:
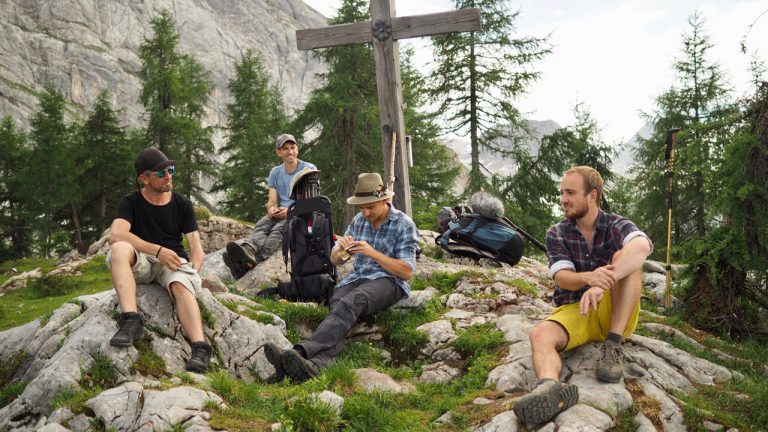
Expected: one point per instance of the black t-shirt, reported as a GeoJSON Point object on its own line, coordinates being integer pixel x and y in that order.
{"type": "Point", "coordinates": [160, 224]}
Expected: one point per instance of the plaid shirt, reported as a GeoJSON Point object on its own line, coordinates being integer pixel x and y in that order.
{"type": "Point", "coordinates": [397, 238]}
{"type": "Point", "coordinates": [567, 249]}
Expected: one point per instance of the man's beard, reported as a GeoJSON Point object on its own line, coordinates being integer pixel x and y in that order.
{"type": "Point", "coordinates": [162, 188]}
{"type": "Point", "coordinates": [577, 214]}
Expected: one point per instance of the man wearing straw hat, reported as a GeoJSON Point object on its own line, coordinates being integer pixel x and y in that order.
{"type": "Point", "coordinates": [383, 241]}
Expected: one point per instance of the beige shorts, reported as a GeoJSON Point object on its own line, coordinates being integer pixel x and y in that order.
{"type": "Point", "coordinates": [148, 269]}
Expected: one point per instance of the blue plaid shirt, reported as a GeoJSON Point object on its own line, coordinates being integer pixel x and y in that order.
{"type": "Point", "coordinates": [397, 238]}
{"type": "Point", "coordinates": [567, 249]}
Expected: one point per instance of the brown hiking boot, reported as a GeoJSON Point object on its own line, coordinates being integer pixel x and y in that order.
{"type": "Point", "coordinates": [610, 365]}
{"type": "Point", "coordinates": [546, 401]}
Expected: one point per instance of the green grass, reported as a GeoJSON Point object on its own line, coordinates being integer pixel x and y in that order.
{"type": "Point", "coordinates": [478, 339]}
{"type": "Point", "coordinates": [11, 391]}
{"type": "Point", "coordinates": [74, 400]}
{"type": "Point", "coordinates": [524, 287]}
{"type": "Point", "coordinates": [24, 305]}
{"type": "Point", "coordinates": [442, 281]}
{"type": "Point", "coordinates": [24, 265]}
{"type": "Point", "coordinates": [293, 314]}
{"type": "Point", "coordinates": [148, 363]}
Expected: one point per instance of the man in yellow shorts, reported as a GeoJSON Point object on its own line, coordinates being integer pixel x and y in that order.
{"type": "Point", "coordinates": [596, 260]}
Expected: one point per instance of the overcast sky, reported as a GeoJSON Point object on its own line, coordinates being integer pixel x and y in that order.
{"type": "Point", "coordinates": [614, 56]}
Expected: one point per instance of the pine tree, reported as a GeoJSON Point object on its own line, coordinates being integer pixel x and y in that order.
{"type": "Point", "coordinates": [49, 177]}
{"type": "Point", "coordinates": [105, 156]}
{"type": "Point", "coordinates": [697, 104]}
{"type": "Point", "coordinates": [176, 88]}
{"type": "Point", "coordinates": [479, 76]}
{"type": "Point", "coordinates": [531, 193]}
{"type": "Point", "coordinates": [728, 294]}
{"type": "Point", "coordinates": [15, 241]}
{"type": "Point", "coordinates": [345, 111]}
{"type": "Point", "coordinates": [256, 117]}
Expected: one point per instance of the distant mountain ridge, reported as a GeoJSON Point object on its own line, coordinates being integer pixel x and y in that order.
{"type": "Point", "coordinates": [494, 162]}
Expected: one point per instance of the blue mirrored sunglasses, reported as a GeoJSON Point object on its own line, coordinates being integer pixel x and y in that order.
{"type": "Point", "coordinates": [170, 169]}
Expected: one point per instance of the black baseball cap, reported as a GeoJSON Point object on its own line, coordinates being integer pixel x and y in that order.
{"type": "Point", "coordinates": [151, 159]}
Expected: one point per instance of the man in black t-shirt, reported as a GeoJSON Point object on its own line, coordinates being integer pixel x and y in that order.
{"type": "Point", "coordinates": [146, 247]}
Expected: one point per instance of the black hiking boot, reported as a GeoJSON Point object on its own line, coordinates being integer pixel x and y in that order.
{"type": "Point", "coordinates": [297, 367]}
{"type": "Point", "coordinates": [546, 401]}
{"type": "Point", "coordinates": [200, 358]}
{"type": "Point", "coordinates": [236, 270]}
{"type": "Point", "coordinates": [241, 257]}
{"type": "Point", "coordinates": [129, 330]}
{"type": "Point", "coordinates": [274, 356]}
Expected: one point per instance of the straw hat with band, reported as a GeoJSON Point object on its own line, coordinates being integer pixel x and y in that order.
{"type": "Point", "coordinates": [369, 188]}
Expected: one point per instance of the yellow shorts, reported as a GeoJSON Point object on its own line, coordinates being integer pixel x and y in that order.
{"type": "Point", "coordinates": [592, 327]}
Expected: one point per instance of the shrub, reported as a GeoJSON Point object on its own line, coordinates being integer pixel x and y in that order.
{"type": "Point", "coordinates": [53, 285]}
{"type": "Point", "coordinates": [311, 414]}
{"type": "Point", "coordinates": [202, 213]}
{"type": "Point", "coordinates": [101, 374]}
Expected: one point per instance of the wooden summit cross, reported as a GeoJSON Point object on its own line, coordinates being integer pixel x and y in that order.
{"type": "Point", "coordinates": [383, 31]}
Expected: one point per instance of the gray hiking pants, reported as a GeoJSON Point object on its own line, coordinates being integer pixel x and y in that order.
{"type": "Point", "coordinates": [266, 237]}
{"type": "Point", "coordinates": [348, 305]}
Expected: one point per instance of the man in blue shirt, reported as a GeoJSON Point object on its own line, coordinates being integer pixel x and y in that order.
{"type": "Point", "coordinates": [267, 235]}
{"type": "Point", "coordinates": [383, 241]}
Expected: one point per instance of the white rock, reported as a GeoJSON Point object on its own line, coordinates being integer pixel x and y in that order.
{"type": "Point", "coordinates": [371, 380]}
{"type": "Point", "coordinates": [504, 422]}
{"type": "Point", "coordinates": [52, 427]}
{"type": "Point", "coordinates": [438, 373]}
{"type": "Point", "coordinates": [516, 373]}
{"type": "Point", "coordinates": [582, 418]}
{"type": "Point", "coordinates": [670, 414]}
{"type": "Point", "coordinates": [117, 407]}
{"type": "Point", "coordinates": [440, 334]}
{"type": "Point", "coordinates": [331, 399]}
{"type": "Point", "coordinates": [163, 409]}
{"type": "Point", "coordinates": [514, 327]}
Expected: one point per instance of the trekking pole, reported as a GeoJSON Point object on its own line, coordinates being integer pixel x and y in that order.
{"type": "Point", "coordinates": [669, 155]}
{"type": "Point", "coordinates": [525, 234]}
{"type": "Point", "coordinates": [391, 183]}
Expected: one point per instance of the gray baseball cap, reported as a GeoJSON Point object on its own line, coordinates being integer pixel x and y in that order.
{"type": "Point", "coordinates": [284, 138]}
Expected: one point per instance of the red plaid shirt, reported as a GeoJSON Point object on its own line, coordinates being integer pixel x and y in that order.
{"type": "Point", "coordinates": [567, 249]}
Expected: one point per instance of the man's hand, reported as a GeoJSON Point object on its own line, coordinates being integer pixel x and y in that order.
{"type": "Point", "coordinates": [362, 247]}
{"type": "Point", "coordinates": [602, 277]}
{"type": "Point", "coordinates": [345, 242]}
{"type": "Point", "coordinates": [278, 213]}
{"type": "Point", "coordinates": [590, 299]}
{"type": "Point", "coordinates": [169, 259]}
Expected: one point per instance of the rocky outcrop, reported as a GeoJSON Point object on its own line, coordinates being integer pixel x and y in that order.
{"type": "Point", "coordinates": [59, 351]}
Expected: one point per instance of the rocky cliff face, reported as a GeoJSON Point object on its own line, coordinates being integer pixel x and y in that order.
{"type": "Point", "coordinates": [85, 46]}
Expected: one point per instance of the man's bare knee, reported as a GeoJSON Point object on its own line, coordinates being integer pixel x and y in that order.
{"type": "Point", "coordinates": [548, 333]}
{"type": "Point", "coordinates": [123, 251]}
